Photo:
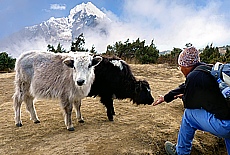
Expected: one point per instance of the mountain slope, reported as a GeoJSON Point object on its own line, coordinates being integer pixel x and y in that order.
{"type": "Point", "coordinates": [83, 18]}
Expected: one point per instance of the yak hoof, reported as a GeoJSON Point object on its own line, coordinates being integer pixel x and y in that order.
{"type": "Point", "coordinates": [81, 121]}
{"type": "Point", "coordinates": [71, 129]}
{"type": "Point", "coordinates": [19, 125]}
{"type": "Point", "coordinates": [111, 119]}
{"type": "Point", "coordinates": [37, 121]}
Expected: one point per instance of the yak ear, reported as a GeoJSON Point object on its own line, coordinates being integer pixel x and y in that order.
{"type": "Point", "coordinates": [96, 60]}
{"type": "Point", "coordinates": [69, 62]}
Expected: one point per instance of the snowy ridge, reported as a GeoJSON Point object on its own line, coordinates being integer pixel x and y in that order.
{"type": "Point", "coordinates": [83, 18]}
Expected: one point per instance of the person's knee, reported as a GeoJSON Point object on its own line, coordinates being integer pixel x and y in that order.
{"type": "Point", "coordinates": [187, 114]}
{"type": "Point", "coordinates": [189, 117]}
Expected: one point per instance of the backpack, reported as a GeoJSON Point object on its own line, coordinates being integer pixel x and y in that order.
{"type": "Point", "coordinates": [218, 70]}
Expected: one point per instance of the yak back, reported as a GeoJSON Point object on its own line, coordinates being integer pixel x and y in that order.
{"type": "Point", "coordinates": [111, 79]}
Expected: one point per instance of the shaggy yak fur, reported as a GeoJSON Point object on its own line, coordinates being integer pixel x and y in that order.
{"type": "Point", "coordinates": [67, 77]}
{"type": "Point", "coordinates": [114, 79]}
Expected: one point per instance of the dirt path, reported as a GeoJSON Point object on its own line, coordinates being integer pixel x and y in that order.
{"type": "Point", "coordinates": [136, 130]}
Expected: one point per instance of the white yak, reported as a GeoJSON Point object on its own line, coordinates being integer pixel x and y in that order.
{"type": "Point", "coordinates": [67, 77]}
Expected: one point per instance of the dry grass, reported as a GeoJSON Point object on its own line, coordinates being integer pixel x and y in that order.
{"type": "Point", "coordinates": [136, 130]}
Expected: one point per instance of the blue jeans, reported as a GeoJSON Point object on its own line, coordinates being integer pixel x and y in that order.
{"type": "Point", "coordinates": [200, 119]}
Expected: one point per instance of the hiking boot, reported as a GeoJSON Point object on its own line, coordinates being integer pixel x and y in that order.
{"type": "Point", "coordinates": [170, 148]}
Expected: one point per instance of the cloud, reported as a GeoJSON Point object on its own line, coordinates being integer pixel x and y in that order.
{"type": "Point", "coordinates": [57, 6]}
{"type": "Point", "coordinates": [172, 23]}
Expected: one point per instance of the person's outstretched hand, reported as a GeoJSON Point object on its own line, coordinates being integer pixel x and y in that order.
{"type": "Point", "coordinates": [159, 100]}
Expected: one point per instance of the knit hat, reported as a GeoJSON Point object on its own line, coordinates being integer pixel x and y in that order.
{"type": "Point", "coordinates": [188, 57]}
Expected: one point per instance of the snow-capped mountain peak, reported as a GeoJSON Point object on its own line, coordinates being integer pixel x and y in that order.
{"type": "Point", "coordinates": [83, 18]}
{"type": "Point", "coordinates": [83, 10]}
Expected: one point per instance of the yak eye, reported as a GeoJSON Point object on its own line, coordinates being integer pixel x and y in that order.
{"type": "Point", "coordinates": [74, 68]}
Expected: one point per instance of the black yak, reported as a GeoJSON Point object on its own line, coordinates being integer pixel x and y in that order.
{"type": "Point", "coordinates": [114, 79]}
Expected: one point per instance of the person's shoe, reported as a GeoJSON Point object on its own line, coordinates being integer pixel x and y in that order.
{"type": "Point", "coordinates": [170, 148]}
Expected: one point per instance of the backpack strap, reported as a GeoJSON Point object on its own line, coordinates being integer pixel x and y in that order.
{"type": "Point", "coordinates": [215, 71]}
{"type": "Point", "coordinates": [204, 68]}
{"type": "Point", "coordinates": [220, 75]}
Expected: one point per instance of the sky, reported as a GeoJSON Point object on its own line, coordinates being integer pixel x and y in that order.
{"type": "Point", "coordinates": [171, 23]}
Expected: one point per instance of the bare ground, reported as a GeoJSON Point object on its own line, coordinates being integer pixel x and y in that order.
{"type": "Point", "coordinates": [136, 130]}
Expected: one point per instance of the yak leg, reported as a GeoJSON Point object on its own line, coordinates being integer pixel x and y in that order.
{"type": "Point", "coordinates": [77, 107]}
{"type": "Point", "coordinates": [17, 100]}
{"type": "Point", "coordinates": [112, 110]}
{"type": "Point", "coordinates": [108, 102]}
{"type": "Point", "coordinates": [67, 107]}
{"type": "Point", "coordinates": [30, 107]}
{"type": "Point", "coordinates": [21, 89]}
